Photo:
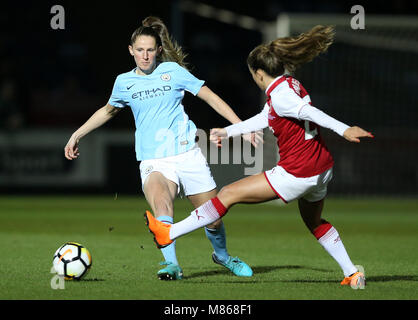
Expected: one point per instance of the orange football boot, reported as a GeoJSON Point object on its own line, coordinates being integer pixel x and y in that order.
{"type": "Point", "coordinates": [357, 280]}
{"type": "Point", "coordinates": [160, 230]}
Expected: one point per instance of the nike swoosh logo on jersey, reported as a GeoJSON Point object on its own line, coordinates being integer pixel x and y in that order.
{"type": "Point", "coordinates": [130, 86]}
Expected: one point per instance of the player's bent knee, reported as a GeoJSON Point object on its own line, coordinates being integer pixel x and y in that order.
{"type": "Point", "coordinates": [228, 196]}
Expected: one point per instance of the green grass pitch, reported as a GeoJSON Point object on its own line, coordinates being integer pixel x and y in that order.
{"type": "Point", "coordinates": [288, 263]}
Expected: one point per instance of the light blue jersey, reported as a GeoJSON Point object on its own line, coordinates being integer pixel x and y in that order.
{"type": "Point", "coordinates": [162, 127]}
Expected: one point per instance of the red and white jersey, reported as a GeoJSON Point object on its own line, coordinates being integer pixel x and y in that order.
{"type": "Point", "coordinates": [302, 151]}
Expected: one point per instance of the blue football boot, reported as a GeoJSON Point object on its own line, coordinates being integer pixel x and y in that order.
{"type": "Point", "coordinates": [170, 272]}
{"type": "Point", "coordinates": [238, 267]}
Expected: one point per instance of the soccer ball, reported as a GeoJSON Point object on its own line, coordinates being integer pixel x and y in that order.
{"type": "Point", "coordinates": [72, 260]}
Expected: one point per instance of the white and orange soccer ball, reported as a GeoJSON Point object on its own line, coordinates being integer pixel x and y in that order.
{"type": "Point", "coordinates": [72, 261]}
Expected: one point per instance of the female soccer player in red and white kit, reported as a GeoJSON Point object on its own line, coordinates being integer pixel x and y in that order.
{"type": "Point", "coordinates": [305, 166]}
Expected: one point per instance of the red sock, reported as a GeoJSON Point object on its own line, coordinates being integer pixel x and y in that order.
{"type": "Point", "coordinates": [219, 206]}
{"type": "Point", "coordinates": [322, 229]}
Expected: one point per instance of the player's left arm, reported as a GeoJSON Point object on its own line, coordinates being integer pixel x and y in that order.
{"type": "Point", "coordinates": [352, 134]}
{"type": "Point", "coordinates": [287, 103]}
{"type": "Point", "coordinates": [219, 105]}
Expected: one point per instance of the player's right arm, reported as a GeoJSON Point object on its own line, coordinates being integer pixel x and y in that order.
{"type": "Point", "coordinates": [253, 124]}
{"type": "Point", "coordinates": [98, 118]}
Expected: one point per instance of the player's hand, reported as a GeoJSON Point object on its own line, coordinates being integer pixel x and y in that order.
{"type": "Point", "coordinates": [353, 134]}
{"type": "Point", "coordinates": [217, 135]}
{"type": "Point", "coordinates": [254, 137]}
{"type": "Point", "coordinates": [71, 149]}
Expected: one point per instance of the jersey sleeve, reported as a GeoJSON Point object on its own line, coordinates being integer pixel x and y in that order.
{"type": "Point", "coordinates": [188, 81]}
{"type": "Point", "coordinates": [286, 103]}
{"type": "Point", "coordinates": [117, 97]}
{"type": "Point", "coordinates": [313, 114]}
{"type": "Point", "coordinates": [258, 122]}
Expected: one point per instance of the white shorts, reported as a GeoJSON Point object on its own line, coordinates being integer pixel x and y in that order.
{"type": "Point", "coordinates": [189, 169]}
{"type": "Point", "coordinates": [288, 187]}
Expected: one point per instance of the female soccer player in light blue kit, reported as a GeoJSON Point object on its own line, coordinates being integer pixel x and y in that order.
{"type": "Point", "coordinates": [165, 136]}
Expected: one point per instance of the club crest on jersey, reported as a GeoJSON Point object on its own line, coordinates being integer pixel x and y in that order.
{"type": "Point", "coordinates": [148, 169]}
{"type": "Point", "coordinates": [165, 77]}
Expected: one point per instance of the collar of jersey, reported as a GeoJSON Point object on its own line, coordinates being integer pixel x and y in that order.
{"type": "Point", "coordinates": [141, 75]}
{"type": "Point", "coordinates": [274, 84]}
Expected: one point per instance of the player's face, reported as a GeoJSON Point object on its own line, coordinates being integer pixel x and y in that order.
{"type": "Point", "coordinates": [145, 52]}
{"type": "Point", "coordinates": [257, 78]}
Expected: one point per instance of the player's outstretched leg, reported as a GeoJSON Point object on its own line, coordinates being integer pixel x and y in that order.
{"type": "Point", "coordinates": [161, 232]}
{"type": "Point", "coordinates": [253, 189]}
{"type": "Point", "coordinates": [206, 214]}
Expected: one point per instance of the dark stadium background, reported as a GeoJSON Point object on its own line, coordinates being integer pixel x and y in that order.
{"type": "Point", "coordinates": [54, 80]}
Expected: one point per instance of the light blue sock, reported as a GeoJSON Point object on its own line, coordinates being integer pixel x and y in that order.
{"type": "Point", "coordinates": [169, 252]}
{"type": "Point", "coordinates": [218, 239]}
